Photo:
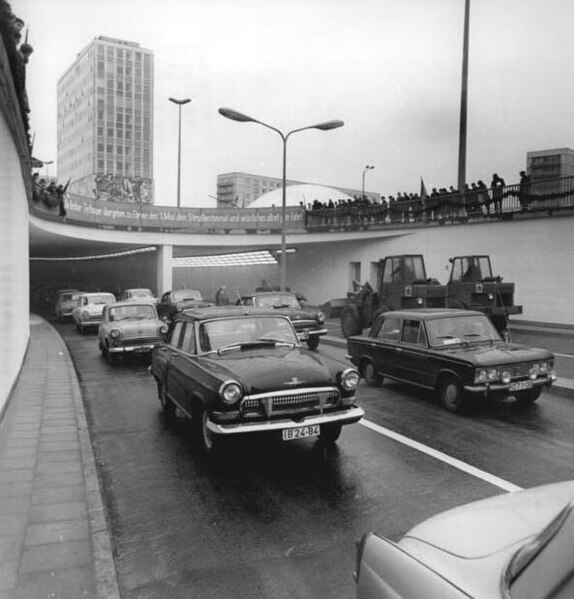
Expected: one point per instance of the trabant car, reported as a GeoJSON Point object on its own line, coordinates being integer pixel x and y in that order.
{"type": "Point", "coordinates": [138, 294]}
{"type": "Point", "coordinates": [88, 311]}
{"type": "Point", "coordinates": [309, 324]}
{"type": "Point", "coordinates": [458, 353]}
{"type": "Point", "coordinates": [173, 302]}
{"type": "Point", "coordinates": [129, 327]}
{"type": "Point", "coordinates": [511, 546]}
{"type": "Point", "coordinates": [238, 371]}
{"type": "Point", "coordinates": [65, 304]}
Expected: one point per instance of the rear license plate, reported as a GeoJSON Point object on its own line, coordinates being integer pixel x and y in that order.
{"type": "Point", "coordinates": [289, 434]}
{"type": "Point", "coordinates": [521, 386]}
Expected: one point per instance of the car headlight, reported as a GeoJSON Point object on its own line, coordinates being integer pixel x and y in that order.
{"type": "Point", "coordinates": [534, 371]}
{"type": "Point", "coordinates": [480, 376]}
{"type": "Point", "coordinates": [349, 379]}
{"type": "Point", "coordinates": [486, 375]}
{"type": "Point", "coordinates": [115, 333]}
{"type": "Point", "coordinates": [320, 318]}
{"type": "Point", "coordinates": [230, 392]}
{"type": "Point", "coordinates": [492, 374]}
{"type": "Point", "coordinates": [505, 377]}
{"type": "Point", "coordinates": [163, 328]}
{"type": "Point", "coordinates": [544, 368]}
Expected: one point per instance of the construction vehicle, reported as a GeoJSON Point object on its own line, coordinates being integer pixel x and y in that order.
{"type": "Point", "coordinates": [403, 283]}
{"type": "Point", "coordinates": [472, 286]}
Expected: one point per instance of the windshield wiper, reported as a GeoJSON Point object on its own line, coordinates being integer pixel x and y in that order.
{"type": "Point", "coordinates": [277, 341]}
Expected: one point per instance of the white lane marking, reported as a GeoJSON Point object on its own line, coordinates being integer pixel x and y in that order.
{"type": "Point", "coordinates": [443, 457]}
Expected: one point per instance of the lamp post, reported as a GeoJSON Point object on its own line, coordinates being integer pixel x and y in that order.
{"type": "Point", "coordinates": [367, 168]}
{"type": "Point", "coordinates": [179, 103]}
{"type": "Point", "coordinates": [243, 118]}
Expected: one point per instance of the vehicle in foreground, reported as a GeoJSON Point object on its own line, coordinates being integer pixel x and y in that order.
{"type": "Point", "coordinates": [512, 546]}
{"type": "Point", "coordinates": [174, 302]}
{"type": "Point", "coordinates": [65, 304]}
{"type": "Point", "coordinates": [88, 312]}
{"type": "Point", "coordinates": [238, 371]}
{"type": "Point", "coordinates": [137, 294]}
{"type": "Point", "coordinates": [129, 327]}
{"type": "Point", "coordinates": [309, 324]}
{"type": "Point", "coordinates": [458, 353]}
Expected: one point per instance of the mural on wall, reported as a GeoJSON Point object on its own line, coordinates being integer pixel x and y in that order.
{"type": "Point", "coordinates": [117, 188]}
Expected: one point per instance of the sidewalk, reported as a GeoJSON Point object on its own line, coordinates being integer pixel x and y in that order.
{"type": "Point", "coordinates": [54, 540]}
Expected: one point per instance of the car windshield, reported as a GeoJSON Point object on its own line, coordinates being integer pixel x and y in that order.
{"type": "Point", "coordinates": [460, 329]}
{"type": "Point", "coordinates": [140, 293]}
{"type": "Point", "coordinates": [101, 298]}
{"type": "Point", "coordinates": [69, 297]}
{"type": "Point", "coordinates": [132, 312]}
{"type": "Point", "coordinates": [186, 294]}
{"type": "Point", "coordinates": [224, 332]}
{"type": "Point", "coordinates": [276, 300]}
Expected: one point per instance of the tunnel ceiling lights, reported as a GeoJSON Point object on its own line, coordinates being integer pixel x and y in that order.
{"type": "Point", "coordinates": [242, 259]}
{"type": "Point", "coordinates": [97, 257]}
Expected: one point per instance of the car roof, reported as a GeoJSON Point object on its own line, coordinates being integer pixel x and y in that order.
{"type": "Point", "coordinates": [432, 313]}
{"type": "Point", "coordinates": [132, 303]}
{"type": "Point", "coordinates": [210, 312]}
{"type": "Point", "coordinates": [93, 293]}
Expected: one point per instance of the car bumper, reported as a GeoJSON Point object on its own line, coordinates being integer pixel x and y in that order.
{"type": "Point", "coordinates": [505, 387]}
{"type": "Point", "coordinates": [304, 334]}
{"type": "Point", "coordinates": [132, 349]}
{"type": "Point", "coordinates": [90, 322]}
{"type": "Point", "coordinates": [353, 414]}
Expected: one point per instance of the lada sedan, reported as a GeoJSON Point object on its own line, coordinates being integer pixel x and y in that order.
{"type": "Point", "coordinates": [458, 353]}
{"type": "Point", "coordinates": [238, 371]}
{"type": "Point", "coordinates": [309, 324]}
{"type": "Point", "coordinates": [129, 327]}
{"type": "Point", "coordinates": [512, 546]}
{"type": "Point", "coordinates": [88, 311]}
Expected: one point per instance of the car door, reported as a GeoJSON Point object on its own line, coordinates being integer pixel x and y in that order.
{"type": "Point", "coordinates": [414, 363]}
{"type": "Point", "coordinates": [181, 367]}
{"type": "Point", "coordinates": [164, 356]}
{"type": "Point", "coordinates": [384, 344]}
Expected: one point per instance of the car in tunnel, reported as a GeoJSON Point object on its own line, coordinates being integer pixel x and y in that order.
{"type": "Point", "coordinates": [236, 370]}
{"type": "Point", "coordinates": [130, 327]}
{"type": "Point", "coordinates": [174, 302]}
{"type": "Point", "coordinates": [512, 546]}
{"type": "Point", "coordinates": [65, 304]}
{"type": "Point", "coordinates": [88, 312]}
{"type": "Point", "coordinates": [138, 294]}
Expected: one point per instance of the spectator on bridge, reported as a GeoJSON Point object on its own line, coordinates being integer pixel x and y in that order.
{"type": "Point", "coordinates": [524, 190]}
{"type": "Point", "coordinates": [60, 192]}
{"type": "Point", "coordinates": [497, 186]}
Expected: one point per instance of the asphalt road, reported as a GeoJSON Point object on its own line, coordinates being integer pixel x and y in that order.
{"type": "Point", "coordinates": [281, 520]}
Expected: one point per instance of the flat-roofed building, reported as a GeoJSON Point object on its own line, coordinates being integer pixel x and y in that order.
{"type": "Point", "coordinates": [105, 122]}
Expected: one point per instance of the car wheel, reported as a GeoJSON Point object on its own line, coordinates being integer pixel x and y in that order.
{"type": "Point", "coordinates": [528, 396]}
{"type": "Point", "coordinates": [330, 432]}
{"type": "Point", "coordinates": [209, 442]}
{"type": "Point", "coordinates": [451, 394]}
{"type": "Point", "coordinates": [313, 342]}
{"type": "Point", "coordinates": [103, 350]}
{"type": "Point", "coordinates": [167, 405]}
{"type": "Point", "coordinates": [370, 374]}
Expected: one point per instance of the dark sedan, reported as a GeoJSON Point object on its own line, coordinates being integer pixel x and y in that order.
{"type": "Point", "coordinates": [173, 302]}
{"type": "Point", "coordinates": [237, 370]}
{"type": "Point", "coordinates": [309, 324]}
{"type": "Point", "coordinates": [458, 353]}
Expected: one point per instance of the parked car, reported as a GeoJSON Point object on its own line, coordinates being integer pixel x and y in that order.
{"type": "Point", "coordinates": [65, 304]}
{"type": "Point", "coordinates": [238, 371]}
{"type": "Point", "coordinates": [137, 294]}
{"type": "Point", "coordinates": [173, 302]}
{"type": "Point", "coordinates": [88, 312]}
{"type": "Point", "coordinates": [458, 353]}
{"type": "Point", "coordinates": [309, 324]}
{"type": "Point", "coordinates": [130, 327]}
{"type": "Point", "coordinates": [517, 545]}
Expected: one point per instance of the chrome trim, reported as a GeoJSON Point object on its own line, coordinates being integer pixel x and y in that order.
{"type": "Point", "coordinates": [539, 382]}
{"type": "Point", "coordinates": [350, 416]}
{"type": "Point", "coordinates": [315, 332]}
{"type": "Point", "coordinates": [301, 391]}
{"type": "Point", "coordinates": [131, 349]}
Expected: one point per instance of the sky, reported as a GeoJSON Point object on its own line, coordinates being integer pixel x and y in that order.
{"type": "Point", "coordinates": [390, 69]}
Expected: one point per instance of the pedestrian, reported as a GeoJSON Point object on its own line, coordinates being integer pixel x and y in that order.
{"type": "Point", "coordinates": [497, 186]}
{"type": "Point", "coordinates": [524, 190]}
{"type": "Point", "coordinates": [221, 298]}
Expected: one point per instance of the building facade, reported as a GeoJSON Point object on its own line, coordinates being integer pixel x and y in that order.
{"type": "Point", "coordinates": [105, 122]}
{"type": "Point", "coordinates": [242, 189]}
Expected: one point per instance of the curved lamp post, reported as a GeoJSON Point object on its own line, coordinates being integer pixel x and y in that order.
{"type": "Point", "coordinates": [229, 113]}
{"type": "Point", "coordinates": [367, 168]}
{"type": "Point", "coordinates": [179, 103]}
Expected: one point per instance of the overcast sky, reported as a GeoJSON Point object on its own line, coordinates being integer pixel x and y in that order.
{"type": "Point", "coordinates": [390, 69]}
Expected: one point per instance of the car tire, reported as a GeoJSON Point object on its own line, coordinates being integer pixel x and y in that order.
{"type": "Point", "coordinates": [330, 432]}
{"type": "Point", "coordinates": [529, 396]}
{"type": "Point", "coordinates": [370, 374]}
{"type": "Point", "coordinates": [351, 321]}
{"type": "Point", "coordinates": [103, 350]}
{"type": "Point", "coordinates": [313, 342]}
{"type": "Point", "coordinates": [167, 406]}
{"type": "Point", "coordinates": [451, 394]}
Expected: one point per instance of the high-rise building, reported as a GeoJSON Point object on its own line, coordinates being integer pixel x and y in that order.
{"type": "Point", "coordinates": [105, 122]}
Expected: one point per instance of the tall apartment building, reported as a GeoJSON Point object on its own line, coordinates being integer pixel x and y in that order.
{"type": "Point", "coordinates": [105, 122]}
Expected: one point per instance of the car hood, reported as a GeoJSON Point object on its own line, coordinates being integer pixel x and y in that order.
{"type": "Point", "coordinates": [499, 353]}
{"type": "Point", "coordinates": [295, 314]}
{"type": "Point", "coordinates": [471, 545]}
{"type": "Point", "coordinates": [192, 303]}
{"type": "Point", "coordinates": [141, 327]}
{"type": "Point", "coordinates": [274, 369]}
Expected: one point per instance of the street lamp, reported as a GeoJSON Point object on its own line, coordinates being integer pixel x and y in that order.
{"type": "Point", "coordinates": [229, 113]}
{"type": "Point", "coordinates": [179, 103]}
{"type": "Point", "coordinates": [367, 168]}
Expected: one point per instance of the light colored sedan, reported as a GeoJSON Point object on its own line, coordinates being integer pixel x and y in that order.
{"type": "Point", "coordinates": [129, 327]}
{"type": "Point", "coordinates": [88, 311]}
{"type": "Point", "coordinates": [514, 546]}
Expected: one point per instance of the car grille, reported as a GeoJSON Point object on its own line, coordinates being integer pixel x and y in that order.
{"type": "Point", "coordinates": [304, 324]}
{"type": "Point", "coordinates": [143, 336]}
{"type": "Point", "coordinates": [138, 340]}
{"type": "Point", "coordinates": [289, 402]}
{"type": "Point", "coordinates": [518, 371]}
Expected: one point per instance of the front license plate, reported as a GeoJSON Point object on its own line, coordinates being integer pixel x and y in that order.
{"type": "Point", "coordinates": [289, 434]}
{"type": "Point", "coordinates": [521, 386]}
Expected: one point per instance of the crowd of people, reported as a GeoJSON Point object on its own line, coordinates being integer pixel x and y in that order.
{"type": "Point", "coordinates": [49, 194]}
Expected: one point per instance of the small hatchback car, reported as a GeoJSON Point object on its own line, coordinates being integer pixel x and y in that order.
{"type": "Point", "coordinates": [88, 311]}
{"type": "Point", "coordinates": [238, 371]}
{"type": "Point", "coordinates": [129, 327]}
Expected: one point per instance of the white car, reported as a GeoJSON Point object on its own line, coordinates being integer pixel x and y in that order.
{"type": "Point", "coordinates": [138, 294]}
{"type": "Point", "coordinates": [65, 304]}
{"type": "Point", "coordinates": [88, 312]}
{"type": "Point", "coordinates": [513, 546]}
